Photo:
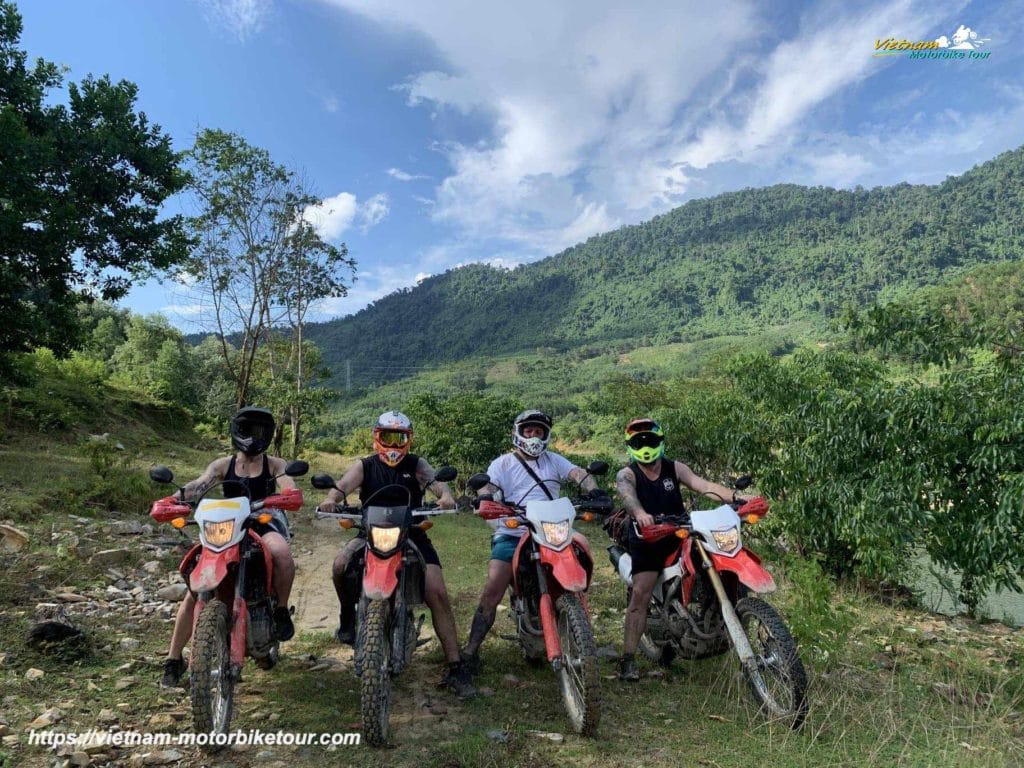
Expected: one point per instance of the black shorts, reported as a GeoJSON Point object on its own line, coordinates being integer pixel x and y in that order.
{"type": "Point", "coordinates": [278, 524]}
{"type": "Point", "coordinates": [651, 557]}
{"type": "Point", "coordinates": [423, 544]}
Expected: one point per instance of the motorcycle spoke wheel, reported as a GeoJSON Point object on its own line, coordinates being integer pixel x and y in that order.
{"type": "Point", "coordinates": [212, 687]}
{"type": "Point", "coordinates": [375, 682]}
{"type": "Point", "coordinates": [578, 675]}
{"type": "Point", "coordinates": [777, 677]}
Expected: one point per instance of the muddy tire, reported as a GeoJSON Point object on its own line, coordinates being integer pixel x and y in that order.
{"type": "Point", "coordinates": [779, 680]}
{"type": "Point", "coordinates": [375, 678]}
{"type": "Point", "coordinates": [211, 683]}
{"type": "Point", "coordinates": [579, 676]}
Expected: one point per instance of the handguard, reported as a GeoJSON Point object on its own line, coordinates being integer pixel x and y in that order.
{"type": "Point", "coordinates": [289, 499]}
{"type": "Point", "coordinates": [652, 533]}
{"type": "Point", "coordinates": [169, 508]}
{"type": "Point", "coordinates": [492, 510]}
{"type": "Point", "coordinates": [756, 506]}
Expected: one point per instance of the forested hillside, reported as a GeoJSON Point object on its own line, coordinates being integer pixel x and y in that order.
{"type": "Point", "coordinates": [726, 265]}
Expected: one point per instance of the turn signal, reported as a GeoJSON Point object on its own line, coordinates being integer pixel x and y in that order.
{"type": "Point", "coordinates": [346, 524]}
{"type": "Point", "coordinates": [426, 525]}
{"type": "Point", "coordinates": [682, 533]}
{"type": "Point", "coordinates": [178, 522]}
{"type": "Point", "coordinates": [512, 523]}
{"type": "Point", "coordinates": [264, 518]}
{"type": "Point", "coordinates": [751, 519]}
{"type": "Point", "coordinates": [586, 517]}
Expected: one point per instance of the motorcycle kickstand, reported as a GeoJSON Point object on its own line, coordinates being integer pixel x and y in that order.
{"type": "Point", "coordinates": [421, 641]}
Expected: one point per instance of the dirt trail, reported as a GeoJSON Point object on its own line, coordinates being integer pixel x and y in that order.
{"type": "Point", "coordinates": [316, 544]}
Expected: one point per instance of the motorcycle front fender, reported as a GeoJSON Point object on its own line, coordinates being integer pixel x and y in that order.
{"type": "Point", "coordinates": [748, 569]}
{"type": "Point", "coordinates": [380, 576]}
{"type": "Point", "coordinates": [565, 568]}
{"type": "Point", "coordinates": [212, 569]}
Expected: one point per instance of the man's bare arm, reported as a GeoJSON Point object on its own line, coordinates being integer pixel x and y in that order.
{"type": "Point", "coordinates": [425, 474]}
{"type": "Point", "coordinates": [625, 485]}
{"type": "Point", "coordinates": [351, 480]}
{"type": "Point", "coordinates": [214, 474]}
{"type": "Point", "coordinates": [585, 481]}
{"type": "Point", "coordinates": [277, 467]}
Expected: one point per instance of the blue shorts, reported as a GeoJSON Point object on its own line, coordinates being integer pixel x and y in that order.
{"type": "Point", "coordinates": [504, 547]}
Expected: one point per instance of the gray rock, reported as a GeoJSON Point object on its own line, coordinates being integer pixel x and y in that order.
{"type": "Point", "coordinates": [110, 556]}
{"type": "Point", "coordinates": [174, 593]}
{"type": "Point", "coordinates": [34, 674]}
{"type": "Point", "coordinates": [163, 757]}
{"type": "Point", "coordinates": [129, 644]}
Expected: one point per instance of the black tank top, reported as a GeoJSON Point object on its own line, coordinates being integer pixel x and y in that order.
{"type": "Point", "coordinates": [377, 474]}
{"type": "Point", "coordinates": [256, 488]}
{"type": "Point", "coordinates": [661, 496]}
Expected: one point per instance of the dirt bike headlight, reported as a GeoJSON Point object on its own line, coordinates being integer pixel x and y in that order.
{"type": "Point", "coordinates": [384, 538]}
{"type": "Point", "coordinates": [556, 533]}
{"type": "Point", "coordinates": [218, 534]}
{"type": "Point", "coordinates": [727, 540]}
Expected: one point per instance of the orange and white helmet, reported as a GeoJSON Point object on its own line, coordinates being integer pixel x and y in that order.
{"type": "Point", "coordinates": [392, 437]}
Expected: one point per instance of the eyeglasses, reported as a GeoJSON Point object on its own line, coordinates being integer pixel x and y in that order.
{"type": "Point", "coordinates": [645, 440]}
{"type": "Point", "coordinates": [392, 439]}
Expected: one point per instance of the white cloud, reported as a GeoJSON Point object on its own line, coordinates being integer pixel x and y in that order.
{"type": "Point", "coordinates": [331, 103]}
{"type": "Point", "coordinates": [184, 310]}
{"type": "Point", "coordinates": [594, 114]}
{"type": "Point", "coordinates": [420, 277]}
{"type": "Point", "coordinates": [398, 173]}
{"type": "Point", "coordinates": [374, 210]}
{"type": "Point", "coordinates": [242, 18]}
{"type": "Point", "coordinates": [333, 216]}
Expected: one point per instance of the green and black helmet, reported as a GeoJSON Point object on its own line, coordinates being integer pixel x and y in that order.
{"type": "Point", "coordinates": [645, 440]}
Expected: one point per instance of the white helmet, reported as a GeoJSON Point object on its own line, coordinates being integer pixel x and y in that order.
{"type": "Point", "coordinates": [531, 446]}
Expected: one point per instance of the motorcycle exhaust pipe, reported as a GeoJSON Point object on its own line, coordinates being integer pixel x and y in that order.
{"type": "Point", "coordinates": [622, 562]}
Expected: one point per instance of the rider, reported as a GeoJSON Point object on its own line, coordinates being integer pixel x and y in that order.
{"type": "Point", "coordinates": [392, 464]}
{"type": "Point", "coordinates": [249, 472]}
{"type": "Point", "coordinates": [511, 480]}
{"type": "Point", "coordinates": [650, 486]}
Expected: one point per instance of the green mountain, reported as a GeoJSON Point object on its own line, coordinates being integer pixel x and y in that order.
{"type": "Point", "coordinates": [732, 264]}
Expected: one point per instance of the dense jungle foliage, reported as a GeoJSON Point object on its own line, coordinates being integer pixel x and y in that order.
{"type": "Point", "coordinates": [732, 264]}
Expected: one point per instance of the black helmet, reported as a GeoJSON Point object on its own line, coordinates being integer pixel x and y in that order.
{"type": "Point", "coordinates": [252, 430]}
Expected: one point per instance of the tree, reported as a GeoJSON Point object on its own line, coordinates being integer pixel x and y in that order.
{"type": "Point", "coordinates": [81, 186]}
{"type": "Point", "coordinates": [258, 263]}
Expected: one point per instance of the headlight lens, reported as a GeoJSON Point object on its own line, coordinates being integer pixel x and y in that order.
{"type": "Point", "coordinates": [384, 538]}
{"type": "Point", "coordinates": [556, 533]}
{"type": "Point", "coordinates": [727, 540]}
{"type": "Point", "coordinates": [218, 534]}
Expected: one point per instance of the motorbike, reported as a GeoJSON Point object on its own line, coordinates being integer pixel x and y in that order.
{"type": "Point", "coordinates": [551, 572]}
{"type": "Point", "coordinates": [393, 579]}
{"type": "Point", "coordinates": [230, 574]}
{"type": "Point", "coordinates": [708, 599]}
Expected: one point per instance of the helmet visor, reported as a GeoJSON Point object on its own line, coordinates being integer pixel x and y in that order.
{"type": "Point", "coordinates": [645, 440]}
{"type": "Point", "coordinates": [392, 438]}
{"type": "Point", "coordinates": [258, 430]}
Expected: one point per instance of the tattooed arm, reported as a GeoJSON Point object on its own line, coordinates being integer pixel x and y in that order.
{"type": "Point", "coordinates": [625, 484]}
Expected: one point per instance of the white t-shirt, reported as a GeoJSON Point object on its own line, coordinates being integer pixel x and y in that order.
{"type": "Point", "coordinates": [518, 487]}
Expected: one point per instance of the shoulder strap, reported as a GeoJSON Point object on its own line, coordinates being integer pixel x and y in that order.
{"type": "Point", "coordinates": [533, 474]}
{"type": "Point", "coordinates": [231, 474]}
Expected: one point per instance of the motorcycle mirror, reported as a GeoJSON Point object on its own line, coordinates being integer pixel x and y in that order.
{"type": "Point", "coordinates": [446, 474]}
{"type": "Point", "coordinates": [598, 468]}
{"type": "Point", "coordinates": [478, 481]}
{"type": "Point", "coordinates": [161, 474]}
{"type": "Point", "coordinates": [742, 482]}
{"type": "Point", "coordinates": [323, 482]}
{"type": "Point", "coordinates": [297, 468]}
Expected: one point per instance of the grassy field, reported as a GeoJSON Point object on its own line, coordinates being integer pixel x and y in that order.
{"type": "Point", "coordinates": [901, 687]}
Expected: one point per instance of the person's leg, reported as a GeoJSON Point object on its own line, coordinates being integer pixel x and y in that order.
{"type": "Point", "coordinates": [174, 665]}
{"type": "Point", "coordinates": [499, 576]}
{"type": "Point", "coordinates": [284, 575]}
{"type": "Point", "coordinates": [346, 632]}
{"type": "Point", "coordinates": [441, 613]}
{"type": "Point", "coordinates": [636, 621]}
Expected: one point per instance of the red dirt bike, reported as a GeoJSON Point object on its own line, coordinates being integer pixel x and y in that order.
{"type": "Point", "coordinates": [231, 575]}
{"type": "Point", "coordinates": [551, 572]}
{"type": "Point", "coordinates": [393, 582]}
{"type": "Point", "coordinates": [702, 604]}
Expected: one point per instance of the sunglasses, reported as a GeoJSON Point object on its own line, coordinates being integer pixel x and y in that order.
{"type": "Point", "coordinates": [645, 440]}
{"type": "Point", "coordinates": [392, 439]}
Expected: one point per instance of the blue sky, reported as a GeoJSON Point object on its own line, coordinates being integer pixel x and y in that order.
{"type": "Point", "coordinates": [446, 133]}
